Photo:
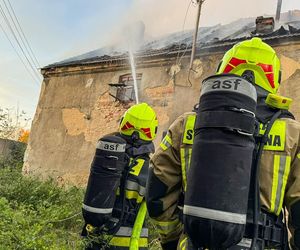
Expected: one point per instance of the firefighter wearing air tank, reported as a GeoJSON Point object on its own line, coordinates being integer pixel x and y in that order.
{"type": "Point", "coordinates": [114, 208]}
{"type": "Point", "coordinates": [223, 175]}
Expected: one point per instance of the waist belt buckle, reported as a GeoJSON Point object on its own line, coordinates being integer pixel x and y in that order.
{"type": "Point", "coordinates": [272, 236]}
{"type": "Point", "coordinates": [130, 216]}
{"type": "Point", "coordinates": [276, 235]}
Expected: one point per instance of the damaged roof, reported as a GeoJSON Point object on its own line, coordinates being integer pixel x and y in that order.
{"type": "Point", "coordinates": [210, 39]}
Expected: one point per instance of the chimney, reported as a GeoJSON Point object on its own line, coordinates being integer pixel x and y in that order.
{"type": "Point", "coordinates": [264, 25]}
{"type": "Point", "coordinates": [279, 3]}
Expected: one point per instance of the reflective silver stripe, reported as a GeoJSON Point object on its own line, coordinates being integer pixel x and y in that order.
{"type": "Point", "coordinates": [111, 146]}
{"type": "Point", "coordinates": [214, 214]}
{"type": "Point", "coordinates": [144, 232]}
{"type": "Point", "coordinates": [97, 210]}
{"type": "Point", "coordinates": [165, 227]}
{"type": "Point", "coordinates": [166, 143]}
{"type": "Point", "coordinates": [245, 242]}
{"type": "Point", "coordinates": [281, 169]}
{"type": "Point", "coordinates": [187, 158]}
{"type": "Point", "coordinates": [134, 186]}
{"type": "Point", "coordinates": [185, 163]}
{"type": "Point", "coordinates": [127, 232]}
{"type": "Point", "coordinates": [229, 84]}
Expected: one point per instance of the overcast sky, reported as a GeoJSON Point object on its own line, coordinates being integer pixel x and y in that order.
{"type": "Point", "coordinates": [58, 29]}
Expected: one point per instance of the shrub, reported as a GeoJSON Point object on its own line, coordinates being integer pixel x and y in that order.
{"type": "Point", "coordinates": [15, 157]}
{"type": "Point", "coordinates": [38, 215]}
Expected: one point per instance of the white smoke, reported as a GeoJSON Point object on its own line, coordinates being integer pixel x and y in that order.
{"type": "Point", "coordinates": [167, 16]}
{"type": "Point", "coordinates": [150, 19]}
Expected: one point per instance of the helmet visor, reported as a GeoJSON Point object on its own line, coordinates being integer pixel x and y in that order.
{"type": "Point", "coordinates": [266, 68]}
{"type": "Point", "coordinates": [128, 129]}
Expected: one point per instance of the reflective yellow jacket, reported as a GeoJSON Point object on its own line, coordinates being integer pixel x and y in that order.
{"type": "Point", "coordinates": [279, 173]}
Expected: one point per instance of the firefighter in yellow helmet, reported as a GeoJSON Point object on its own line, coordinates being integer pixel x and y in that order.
{"type": "Point", "coordinates": [114, 209]}
{"type": "Point", "coordinates": [278, 166]}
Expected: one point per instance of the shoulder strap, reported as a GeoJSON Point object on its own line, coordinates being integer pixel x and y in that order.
{"type": "Point", "coordinates": [256, 165]}
{"type": "Point", "coordinates": [113, 230]}
{"type": "Point", "coordinates": [286, 114]}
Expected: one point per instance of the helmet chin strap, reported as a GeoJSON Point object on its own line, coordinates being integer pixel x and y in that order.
{"type": "Point", "coordinates": [249, 76]}
{"type": "Point", "coordinates": [135, 136]}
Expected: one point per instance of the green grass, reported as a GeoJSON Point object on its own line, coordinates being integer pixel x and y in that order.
{"type": "Point", "coordinates": [40, 215]}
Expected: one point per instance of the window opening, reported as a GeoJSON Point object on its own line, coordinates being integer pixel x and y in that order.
{"type": "Point", "coordinates": [123, 91]}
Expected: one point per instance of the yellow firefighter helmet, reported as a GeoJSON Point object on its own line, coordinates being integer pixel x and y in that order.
{"type": "Point", "coordinates": [140, 118]}
{"type": "Point", "coordinates": [253, 56]}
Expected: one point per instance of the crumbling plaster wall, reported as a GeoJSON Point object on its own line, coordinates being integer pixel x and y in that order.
{"type": "Point", "coordinates": [75, 109]}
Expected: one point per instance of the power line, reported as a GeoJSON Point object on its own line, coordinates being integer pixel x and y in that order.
{"type": "Point", "coordinates": [20, 46]}
{"type": "Point", "coordinates": [35, 71]}
{"type": "Point", "coordinates": [178, 60]}
{"type": "Point", "coordinates": [199, 2]}
{"type": "Point", "coordinates": [16, 39]}
{"type": "Point", "coordinates": [26, 40]}
{"type": "Point", "coordinates": [20, 36]}
{"type": "Point", "coordinates": [35, 80]}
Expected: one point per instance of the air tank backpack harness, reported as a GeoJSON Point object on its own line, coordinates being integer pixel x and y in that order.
{"type": "Point", "coordinates": [105, 177]}
{"type": "Point", "coordinates": [221, 206]}
{"type": "Point", "coordinates": [216, 199]}
{"type": "Point", "coordinates": [113, 207]}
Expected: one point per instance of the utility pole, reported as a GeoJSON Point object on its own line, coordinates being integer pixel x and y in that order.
{"type": "Point", "coordinates": [199, 2]}
{"type": "Point", "coordinates": [279, 3]}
